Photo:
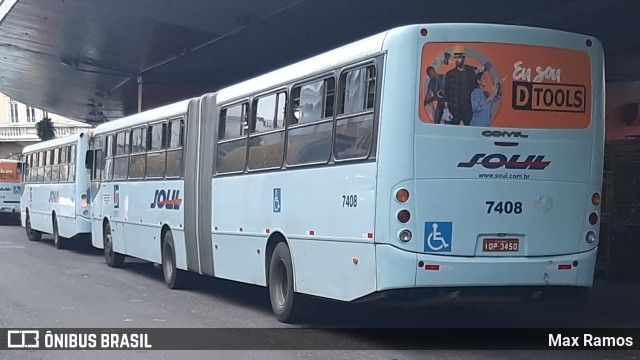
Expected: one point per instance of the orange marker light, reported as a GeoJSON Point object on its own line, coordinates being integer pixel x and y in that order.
{"type": "Point", "coordinates": [402, 195]}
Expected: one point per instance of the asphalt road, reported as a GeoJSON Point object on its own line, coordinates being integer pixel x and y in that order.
{"type": "Point", "coordinates": [41, 287]}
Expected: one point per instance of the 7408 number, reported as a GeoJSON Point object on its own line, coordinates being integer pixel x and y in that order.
{"type": "Point", "coordinates": [350, 201]}
{"type": "Point", "coordinates": [504, 207]}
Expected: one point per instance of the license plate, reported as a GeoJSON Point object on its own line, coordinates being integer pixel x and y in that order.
{"type": "Point", "coordinates": [500, 245]}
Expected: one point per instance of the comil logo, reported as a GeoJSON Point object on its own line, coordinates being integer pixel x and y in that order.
{"type": "Point", "coordinates": [507, 134]}
{"type": "Point", "coordinates": [23, 339]}
{"type": "Point", "coordinates": [166, 199]}
{"type": "Point", "coordinates": [496, 161]}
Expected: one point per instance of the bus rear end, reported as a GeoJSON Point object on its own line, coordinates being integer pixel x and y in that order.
{"type": "Point", "coordinates": [502, 179]}
{"type": "Point", "coordinates": [9, 188]}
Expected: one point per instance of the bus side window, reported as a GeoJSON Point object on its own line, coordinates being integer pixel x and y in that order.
{"type": "Point", "coordinates": [108, 162]}
{"type": "Point", "coordinates": [64, 167]}
{"type": "Point", "coordinates": [26, 170]}
{"type": "Point", "coordinates": [175, 135]}
{"type": "Point", "coordinates": [47, 164]}
{"type": "Point", "coordinates": [232, 143]}
{"type": "Point", "coordinates": [156, 154]}
{"type": "Point", "coordinates": [55, 167]}
{"type": "Point", "coordinates": [137, 163]}
{"type": "Point", "coordinates": [309, 139]}
{"type": "Point", "coordinates": [354, 126]}
{"type": "Point", "coordinates": [266, 142]}
{"type": "Point", "coordinates": [121, 160]}
{"type": "Point", "coordinates": [72, 163]}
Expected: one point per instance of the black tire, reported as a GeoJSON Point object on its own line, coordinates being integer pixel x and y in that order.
{"type": "Point", "coordinates": [32, 235]}
{"type": "Point", "coordinates": [114, 259]}
{"type": "Point", "coordinates": [173, 277]}
{"type": "Point", "coordinates": [58, 241]}
{"type": "Point", "coordinates": [284, 302]}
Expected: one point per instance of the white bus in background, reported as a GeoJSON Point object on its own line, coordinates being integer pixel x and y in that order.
{"type": "Point", "coordinates": [55, 199]}
{"type": "Point", "coordinates": [431, 159]}
{"type": "Point", "coordinates": [10, 183]}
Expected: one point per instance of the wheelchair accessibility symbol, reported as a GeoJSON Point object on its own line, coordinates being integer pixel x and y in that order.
{"type": "Point", "coordinates": [438, 236]}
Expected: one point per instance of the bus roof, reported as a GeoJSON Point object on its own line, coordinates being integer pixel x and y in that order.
{"type": "Point", "coordinates": [144, 117]}
{"type": "Point", "coordinates": [54, 142]}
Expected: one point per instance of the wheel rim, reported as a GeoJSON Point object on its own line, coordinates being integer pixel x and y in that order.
{"type": "Point", "coordinates": [107, 246]}
{"type": "Point", "coordinates": [168, 263]}
{"type": "Point", "coordinates": [281, 285]}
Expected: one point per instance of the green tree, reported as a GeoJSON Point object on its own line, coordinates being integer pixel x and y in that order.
{"type": "Point", "coordinates": [45, 129]}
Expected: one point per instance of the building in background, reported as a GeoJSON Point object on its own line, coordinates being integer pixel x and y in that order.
{"type": "Point", "coordinates": [18, 126]}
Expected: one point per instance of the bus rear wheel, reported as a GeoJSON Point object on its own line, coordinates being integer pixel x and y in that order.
{"type": "Point", "coordinates": [58, 241]}
{"type": "Point", "coordinates": [173, 277]}
{"type": "Point", "coordinates": [32, 235]}
{"type": "Point", "coordinates": [284, 302]}
{"type": "Point", "coordinates": [114, 259]}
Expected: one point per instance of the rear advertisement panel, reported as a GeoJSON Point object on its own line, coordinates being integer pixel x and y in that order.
{"type": "Point", "coordinates": [505, 85]}
{"type": "Point", "coordinates": [9, 173]}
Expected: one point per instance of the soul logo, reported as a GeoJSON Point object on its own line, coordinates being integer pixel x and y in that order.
{"type": "Point", "coordinates": [169, 199]}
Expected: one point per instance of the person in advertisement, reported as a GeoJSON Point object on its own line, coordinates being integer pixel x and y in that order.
{"type": "Point", "coordinates": [434, 91]}
{"type": "Point", "coordinates": [459, 83]}
{"type": "Point", "coordinates": [482, 101]}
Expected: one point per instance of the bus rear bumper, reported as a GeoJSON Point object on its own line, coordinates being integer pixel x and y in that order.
{"type": "Point", "coordinates": [398, 269]}
{"type": "Point", "coordinates": [9, 209]}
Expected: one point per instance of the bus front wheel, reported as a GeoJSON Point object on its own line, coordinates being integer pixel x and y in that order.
{"type": "Point", "coordinates": [114, 259]}
{"type": "Point", "coordinates": [284, 302]}
{"type": "Point", "coordinates": [173, 277]}
{"type": "Point", "coordinates": [32, 235]}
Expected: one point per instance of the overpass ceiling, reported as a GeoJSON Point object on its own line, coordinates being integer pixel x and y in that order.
{"type": "Point", "coordinates": [84, 58]}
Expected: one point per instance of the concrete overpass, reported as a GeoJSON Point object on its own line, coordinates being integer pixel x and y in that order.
{"type": "Point", "coordinates": [96, 60]}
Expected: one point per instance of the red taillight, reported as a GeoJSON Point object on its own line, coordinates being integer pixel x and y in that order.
{"type": "Point", "coordinates": [432, 267]}
{"type": "Point", "coordinates": [423, 32]}
{"type": "Point", "coordinates": [593, 218]}
{"type": "Point", "coordinates": [564, 267]}
{"type": "Point", "coordinates": [404, 216]}
{"type": "Point", "coordinates": [595, 199]}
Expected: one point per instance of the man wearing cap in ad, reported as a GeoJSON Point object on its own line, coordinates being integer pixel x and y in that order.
{"type": "Point", "coordinates": [459, 83]}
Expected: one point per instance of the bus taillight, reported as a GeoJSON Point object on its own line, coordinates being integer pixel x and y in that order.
{"type": "Point", "coordinates": [591, 237]}
{"type": "Point", "coordinates": [595, 199]}
{"type": "Point", "coordinates": [593, 218]}
{"type": "Point", "coordinates": [404, 216]}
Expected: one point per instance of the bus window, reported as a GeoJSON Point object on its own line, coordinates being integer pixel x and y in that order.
{"type": "Point", "coordinates": [312, 103]}
{"type": "Point", "coordinates": [121, 161]}
{"type": "Point", "coordinates": [156, 156]}
{"type": "Point", "coordinates": [138, 161]}
{"type": "Point", "coordinates": [174, 152]}
{"type": "Point", "coordinates": [267, 150]}
{"type": "Point", "coordinates": [64, 167]}
{"type": "Point", "coordinates": [108, 161]}
{"type": "Point", "coordinates": [232, 146]}
{"type": "Point", "coordinates": [72, 163]}
{"type": "Point", "coordinates": [354, 133]}
{"type": "Point", "coordinates": [55, 165]}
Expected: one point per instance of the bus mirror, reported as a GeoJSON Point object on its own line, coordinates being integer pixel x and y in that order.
{"type": "Point", "coordinates": [88, 162]}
